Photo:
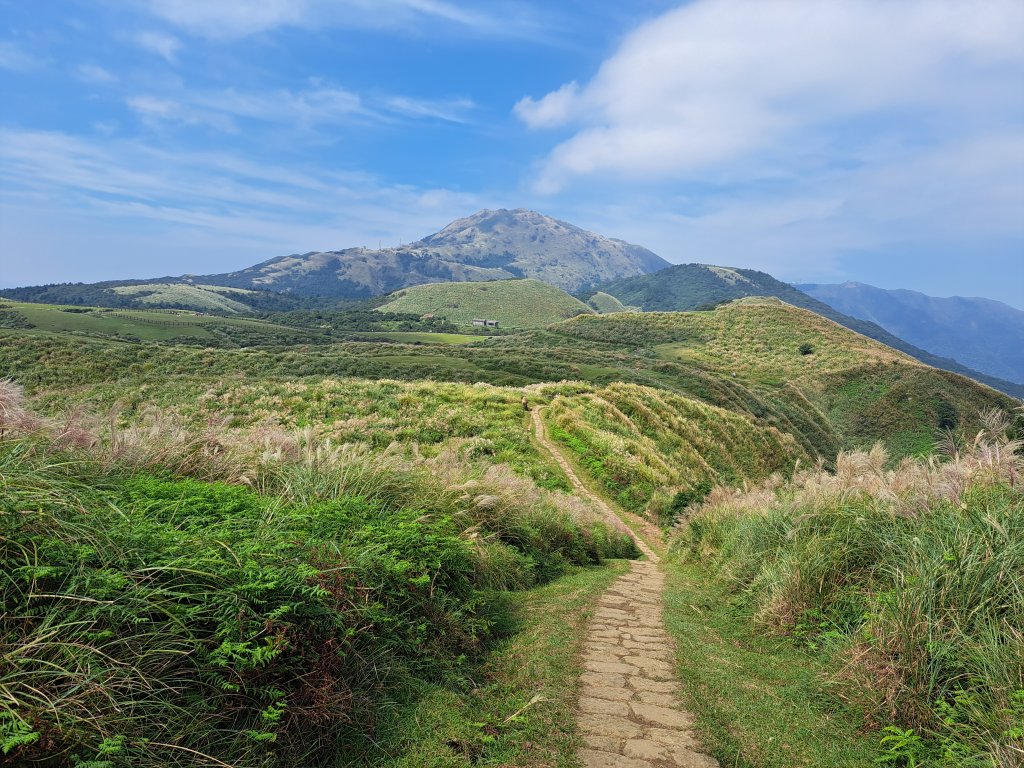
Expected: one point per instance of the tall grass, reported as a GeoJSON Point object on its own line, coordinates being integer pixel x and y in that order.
{"type": "Point", "coordinates": [214, 597]}
{"type": "Point", "coordinates": [912, 577]}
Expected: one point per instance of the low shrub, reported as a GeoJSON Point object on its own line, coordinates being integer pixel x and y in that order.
{"type": "Point", "coordinates": [195, 599]}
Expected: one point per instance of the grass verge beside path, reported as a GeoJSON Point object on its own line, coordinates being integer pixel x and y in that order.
{"type": "Point", "coordinates": [495, 722]}
{"type": "Point", "coordinates": [759, 702]}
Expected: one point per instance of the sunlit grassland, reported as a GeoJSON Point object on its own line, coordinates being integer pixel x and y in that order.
{"type": "Point", "coordinates": [605, 303]}
{"type": "Point", "coordinates": [846, 392]}
{"type": "Point", "coordinates": [513, 303]}
{"type": "Point", "coordinates": [416, 337]}
{"type": "Point", "coordinates": [649, 449]}
{"type": "Point", "coordinates": [142, 324]}
{"type": "Point", "coordinates": [207, 297]}
{"type": "Point", "coordinates": [757, 339]}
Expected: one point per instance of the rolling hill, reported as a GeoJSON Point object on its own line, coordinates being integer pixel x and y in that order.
{"type": "Point", "coordinates": [513, 303]}
{"type": "Point", "coordinates": [987, 335]}
{"type": "Point", "coordinates": [684, 287]}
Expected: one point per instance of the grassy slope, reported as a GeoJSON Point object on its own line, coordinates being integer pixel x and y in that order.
{"type": "Point", "coordinates": [743, 358]}
{"type": "Point", "coordinates": [758, 701]}
{"type": "Point", "coordinates": [644, 445]}
{"type": "Point", "coordinates": [276, 623]}
{"type": "Point", "coordinates": [420, 337]}
{"type": "Point", "coordinates": [685, 287]}
{"type": "Point", "coordinates": [142, 324]}
{"type": "Point", "coordinates": [906, 585]}
{"type": "Point", "coordinates": [861, 390]}
{"type": "Point", "coordinates": [514, 303]}
{"type": "Point", "coordinates": [605, 303]}
{"type": "Point", "coordinates": [203, 297]}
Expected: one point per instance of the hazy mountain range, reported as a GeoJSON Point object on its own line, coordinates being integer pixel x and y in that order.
{"type": "Point", "coordinates": [984, 334]}
{"type": "Point", "coordinates": [506, 244]}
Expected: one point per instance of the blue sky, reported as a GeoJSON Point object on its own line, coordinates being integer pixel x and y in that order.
{"type": "Point", "coordinates": [865, 140]}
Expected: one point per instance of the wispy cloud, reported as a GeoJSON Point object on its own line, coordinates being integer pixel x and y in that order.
{"type": "Point", "coordinates": [14, 57]}
{"type": "Point", "coordinates": [233, 19]}
{"type": "Point", "coordinates": [155, 110]}
{"type": "Point", "coordinates": [449, 110]}
{"type": "Point", "coordinates": [218, 197]}
{"type": "Point", "coordinates": [93, 73]}
{"type": "Point", "coordinates": [165, 46]}
{"type": "Point", "coordinates": [302, 110]}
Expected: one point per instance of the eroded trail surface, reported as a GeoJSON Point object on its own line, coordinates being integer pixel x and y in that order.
{"type": "Point", "coordinates": [629, 707]}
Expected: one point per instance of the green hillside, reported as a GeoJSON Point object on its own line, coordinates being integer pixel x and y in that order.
{"type": "Point", "coordinates": [204, 297]}
{"type": "Point", "coordinates": [513, 303]}
{"type": "Point", "coordinates": [685, 287]}
{"type": "Point", "coordinates": [166, 325]}
{"type": "Point", "coordinates": [605, 303]}
{"type": "Point", "coordinates": [746, 358]}
{"type": "Point", "coordinates": [811, 377]}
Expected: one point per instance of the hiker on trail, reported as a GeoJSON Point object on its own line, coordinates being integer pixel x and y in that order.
{"type": "Point", "coordinates": [526, 404]}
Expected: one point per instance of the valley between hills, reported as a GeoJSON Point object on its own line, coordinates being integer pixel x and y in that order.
{"type": "Point", "coordinates": [310, 513]}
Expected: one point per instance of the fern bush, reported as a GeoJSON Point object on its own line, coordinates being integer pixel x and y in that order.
{"type": "Point", "coordinates": [180, 598]}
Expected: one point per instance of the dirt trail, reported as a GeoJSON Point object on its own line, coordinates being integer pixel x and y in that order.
{"type": "Point", "coordinates": [629, 708]}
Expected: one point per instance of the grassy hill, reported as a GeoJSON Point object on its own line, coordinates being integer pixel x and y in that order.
{"type": "Point", "coordinates": [605, 303]}
{"type": "Point", "coordinates": [685, 287]}
{"type": "Point", "coordinates": [203, 297]}
{"type": "Point", "coordinates": [827, 377]}
{"type": "Point", "coordinates": [981, 333]}
{"type": "Point", "coordinates": [513, 303]}
{"type": "Point", "coordinates": [745, 358]}
{"type": "Point", "coordinates": [166, 325]}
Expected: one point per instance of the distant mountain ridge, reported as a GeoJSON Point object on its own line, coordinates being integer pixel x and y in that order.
{"type": "Point", "coordinates": [685, 287]}
{"type": "Point", "coordinates": [984, 334]}
{"type": "Point", "coordinates": [489, 245]}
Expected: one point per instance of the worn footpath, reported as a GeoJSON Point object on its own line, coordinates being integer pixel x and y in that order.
{"type": "Point", "coordinates": [630, 714]}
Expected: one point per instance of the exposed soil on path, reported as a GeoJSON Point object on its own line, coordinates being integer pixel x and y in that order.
{"type": "Point", "coordinates": [651, 535]}
{"type": "Point", "coordinates": [629, 707]}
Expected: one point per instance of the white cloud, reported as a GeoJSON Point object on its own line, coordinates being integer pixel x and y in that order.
{"type": "Point", "coordinates": [551, 110]}
{"type": "Point", "coordinates": [200, 211]}
{"type": "Point", "coordinates": [232, 19]}
{"type": "Point", "coordinates": [155, 110]}
{"type": "Point", "coordinates": [15, 58]}
{"type": "Point", "coordinates": [164, 46]}
{"type": "Point", "coordinates": [720, 82]}
{"type": "Point", "coordinates": [93, 73]}
{"type": "Point", "coordinates": [449, 110]}
{"type": "Point", "coordinates": [307, 109]}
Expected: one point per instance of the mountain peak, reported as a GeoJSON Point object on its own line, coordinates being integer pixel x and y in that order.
{"type": "Point", "coordinates": [498, 244]}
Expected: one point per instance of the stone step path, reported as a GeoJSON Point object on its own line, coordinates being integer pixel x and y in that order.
{"type": "Point", "coordinates": [630, 713]}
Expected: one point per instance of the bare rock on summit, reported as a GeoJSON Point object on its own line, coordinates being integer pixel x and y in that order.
{"type": "Point", "coordinates": [489, 245]}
